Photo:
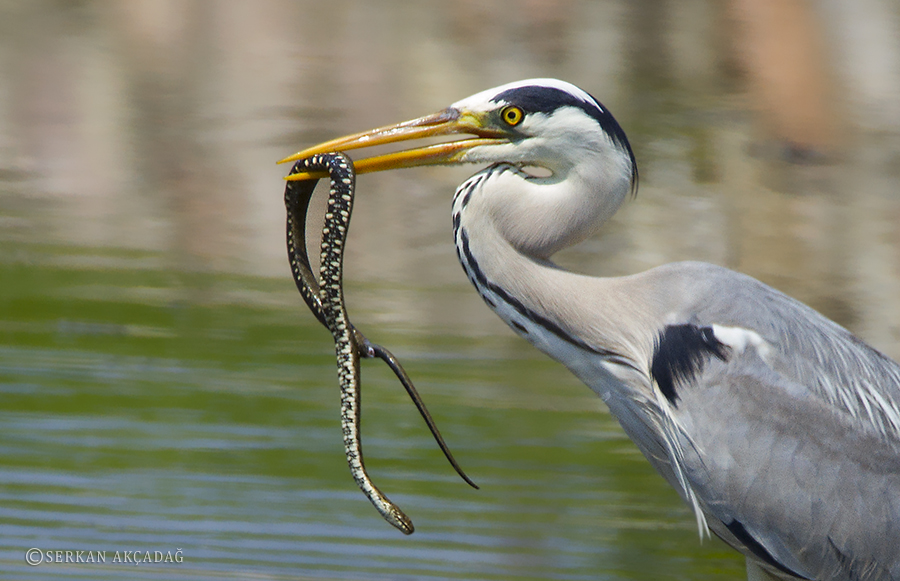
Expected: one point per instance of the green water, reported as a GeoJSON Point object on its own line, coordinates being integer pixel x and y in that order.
{"type": "Point", "coordinates": [163, 387]}
{"type": "Point", "coordinates": [151, 410]}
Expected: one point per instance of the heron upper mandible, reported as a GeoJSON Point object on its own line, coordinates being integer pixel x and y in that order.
{"type": "Point", "coordinates": [777, 426]}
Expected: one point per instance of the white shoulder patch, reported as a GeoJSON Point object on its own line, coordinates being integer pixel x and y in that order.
{"type": "Point", "coordinates": [739, 339]}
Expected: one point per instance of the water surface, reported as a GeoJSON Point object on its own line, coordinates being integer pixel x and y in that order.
{"type": "Point", "coordinates": [162, 387]}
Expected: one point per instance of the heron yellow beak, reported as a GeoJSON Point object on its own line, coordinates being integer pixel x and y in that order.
{"type": "Point", "coordinates": [450, 121]}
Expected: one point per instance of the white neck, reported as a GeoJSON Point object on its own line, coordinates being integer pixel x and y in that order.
{"type": "Point", "coordinates": [540, 216]}
{"type": "Point", "coordinates": [507, 227]}
{"type": "Point", "coordinates": [590, 176]}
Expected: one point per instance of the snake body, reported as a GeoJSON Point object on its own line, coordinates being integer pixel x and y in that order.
{"type": "Point", "coordinates": [326, 301]}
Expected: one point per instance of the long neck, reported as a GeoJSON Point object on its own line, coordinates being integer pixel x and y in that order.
{"type": "Point", "coordinates": [602, 329]}
{"type": "Point", "coordinates": [506, 227]}
{"type": "Point", "coordinates": [539, 216]}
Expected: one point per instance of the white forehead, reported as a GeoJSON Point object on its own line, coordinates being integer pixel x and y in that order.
{"type": "Point", "coordinates": [482, 101]}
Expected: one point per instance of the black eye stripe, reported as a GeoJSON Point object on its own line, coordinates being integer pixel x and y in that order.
{"type": "Point", "coordinates": [544, 99]}
{"type": "Point", "coordinates": [539, 99]}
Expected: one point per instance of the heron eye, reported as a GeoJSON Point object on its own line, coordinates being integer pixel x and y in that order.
{"type": "Point", "coordinates": [512, 115]}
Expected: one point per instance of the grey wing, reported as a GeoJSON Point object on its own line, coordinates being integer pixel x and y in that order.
{"type": "Point", "coordinates": [797, 485]}
{"type": "Point", "coordinates": [790, 439]}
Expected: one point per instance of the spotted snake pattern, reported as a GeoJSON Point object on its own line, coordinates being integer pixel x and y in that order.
{"type": "Point", "coordinates": [325, 298]}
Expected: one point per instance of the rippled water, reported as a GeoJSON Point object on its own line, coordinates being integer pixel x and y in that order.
{"type": "Point", "coordinates": [137, 419]}
{"type": "Point", "coordinates": [162, 387]}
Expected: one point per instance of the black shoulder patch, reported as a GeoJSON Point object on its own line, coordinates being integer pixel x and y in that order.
{"type": "Point", "coordinates": [740, 532]}
{"type": "Point", "coordinates": [680, 354]}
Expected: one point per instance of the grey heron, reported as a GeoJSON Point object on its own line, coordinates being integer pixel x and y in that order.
{"type": "Point", "coordinates": [778, 427]}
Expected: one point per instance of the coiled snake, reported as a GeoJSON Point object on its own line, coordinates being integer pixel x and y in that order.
{"type": "Point", "coordinates": [325, 298]}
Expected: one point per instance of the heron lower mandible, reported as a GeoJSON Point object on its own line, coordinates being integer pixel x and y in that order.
{"type": "Point", "coordinates": [777, 426]}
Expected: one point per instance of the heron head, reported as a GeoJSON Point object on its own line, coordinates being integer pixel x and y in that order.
{"type": "Point", "coordinates": [536, 122]}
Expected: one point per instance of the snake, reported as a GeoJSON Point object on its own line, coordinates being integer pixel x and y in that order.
{"type": "Point", "coordinates": [324, 296]}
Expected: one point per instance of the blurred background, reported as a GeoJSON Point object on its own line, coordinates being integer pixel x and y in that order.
{"type": "Point", "coordinates": [162, 385]}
